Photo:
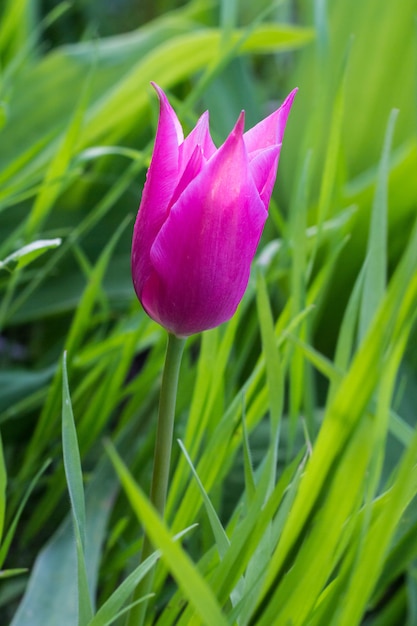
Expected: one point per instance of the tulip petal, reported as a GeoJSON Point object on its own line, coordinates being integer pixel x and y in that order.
{"type": "Point", "coordinates": [192, 169]}
{"type": "Point", "coordinates": [169, 111]}
{"type": "Point", "coordinates": [202, 255]}
{"type": "Point", "coordinates": [263, 167]}
{"type": "Point", "coordinates": [199, 136]}
{"type": "Point", "coordinates": [270, 131]}
{"type": "Point", "coordinates": [161, 181]}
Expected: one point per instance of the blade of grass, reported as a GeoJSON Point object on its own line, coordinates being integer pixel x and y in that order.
{"type": "Point", "coordinates": [275, 385]}
{"type": "Point", "coordinates": [5, 545]}
{"type": "Point", "coordinates": [250, 485]}
{"type": "Point", "coordinates": [376, 266]}
{"type": "Point", "coordinates": [297, 235]}
{"type": "Point", "coordinates": [307, 575]}
{"type": "Point", "coordinates": [328, 179]}
{"type": "Point", "coordinates": [73, 473]}
{"type": "Point", "coordinates": [101, 209]}
{"type": "Point", "coordinates": [183, 570]}
{"type": "Point", "coordinates": [228, 18]}
{"type": "Point", "coordinates": [55, 177]}
{"type": "Point", "coordinates": [109, 611]}
{"type": "Point", "coordinates": [376, 537]}
{"type": "Point", "coordinates": [349, 403]}
{"type": "Point", "coordinates": [249, 533]}
{"type": "Point", "coordinates": [29, 253]}
{"type": "Point", "coordinates": [347, 332]}
{"type": "Point", "coordinates": [79, 327]}
{"type": "Point", "coordinates": [272, 359]}
{"type": "Point", "coordinates": [12, 24]}
{"type": "Point", "coordinates": [222, 540]}
{"type": "Point", "coordinates": [3, 486]}
{"type": "Point", "coordinates": [189, 53]}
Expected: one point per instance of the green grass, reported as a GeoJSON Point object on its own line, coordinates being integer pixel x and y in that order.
{"type": "Point", "coordinates": [292, 495]}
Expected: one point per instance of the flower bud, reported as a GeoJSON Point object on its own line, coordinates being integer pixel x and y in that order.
{"type": "Point", "coordinates": [201, 216]}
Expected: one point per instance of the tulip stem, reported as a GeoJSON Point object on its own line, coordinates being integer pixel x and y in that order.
{"type": "Point", "coordinates": [162, 458]}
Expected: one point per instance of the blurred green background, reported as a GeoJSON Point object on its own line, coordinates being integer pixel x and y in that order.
{"type": "Point", "coordinates": [77, 122]}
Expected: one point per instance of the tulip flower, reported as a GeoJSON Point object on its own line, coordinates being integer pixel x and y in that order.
{"type": "Point", "coordinates": [201, 217]}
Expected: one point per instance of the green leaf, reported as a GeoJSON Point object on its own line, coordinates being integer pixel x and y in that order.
{"type": "Point", "coordinates": [219, 533]}
{"type": "Point", "coordinates": [298, 238]}
{"type": "Point", "coordinates": [109, 611]}
{"type": "Point", "coordinates": [5, 545]}
{"type": "Point", "coordinates": [347, 332]}
{"type": "Point", "coordinates": [250, 485]}
{"type": "Point", "coordinates": [274, 371]}
{"type": "Point", "coordinates": [272, 358]}
{"type": "Point", "coordinates": [9, 573]}
{"type": "Point", "coordinates": [192, 584]}
{"type": "Point", "coordinates": [3, 485]}
{"type": "Point", "coordinates": [378, 532]}
{"type": "Point", "coordinates": [346, 417]}
{"type": "Point", "coordinates": [308, 574]}
{"type": "Point", "coordinates": [250, 532]}
{"type": "Point", "coordinates": [49, 600]}
{"type": "Point", "coordinates": [376, 264]}
{"type": "Point", "coordinates": [57, 171]}
{"type": "Point", "coordinates": [73, 473]}
{"type": "Point", "coordinates": [328, 180]}
{"type": "Point", "coordinates": [72, 461]}
{"type": "Point", "coordinates": [27, 254]}
{"type": "Point", "coordinates": [51, 592]}
{"type": "Point", "coordinates": [18, 384]}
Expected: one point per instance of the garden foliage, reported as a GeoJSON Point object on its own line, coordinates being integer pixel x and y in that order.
{"type": "Point", "coordinates": [294, 470]}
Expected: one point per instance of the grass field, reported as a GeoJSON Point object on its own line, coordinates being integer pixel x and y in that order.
{"type": "Point", "coordinates": [294, 463]}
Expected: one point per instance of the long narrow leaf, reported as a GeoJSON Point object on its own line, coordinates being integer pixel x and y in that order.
{"type": "Point", "coordinates": [5, 545]}
{"type": "Point", "coordinates": [376, 266]}
{"type": "Point", "coordinates": [110, 610]}
{"type": "Point", "coordinates": [219, 533]}
{"type": "Point", "coordinates": [3, 485]}
{"type": "Point", "coordinates": [195, 589]}
{"type": "Point", "coordinates": [73, 473]}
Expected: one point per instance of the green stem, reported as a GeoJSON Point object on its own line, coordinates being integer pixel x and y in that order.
{"type": "Point", "coordinates": [162, 459]}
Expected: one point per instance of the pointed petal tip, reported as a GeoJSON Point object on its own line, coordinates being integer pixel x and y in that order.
{"type": "Point", "coordinates": [290, 98]}
{"type": "Point", "coordinates": [160, 92]}
{"type": "Point", "coordinates": [203, 121]}
{"type": "Point", "coordinates": [240, 124]}
{"type": "Point", "coordinates": [163, 98]}
{"type": "Point", "coordinates": [166, 111]}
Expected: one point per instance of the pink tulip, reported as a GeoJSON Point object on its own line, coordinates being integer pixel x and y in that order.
{"type": "Point", "coordinates": [201, 216]}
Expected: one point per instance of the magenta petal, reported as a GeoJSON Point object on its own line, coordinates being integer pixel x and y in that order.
{"type": "Point", "coordinates": [199, 136]}
{"type": "Point", "coordinates": [270, 131]}
{"type": "Point", "coordinates": [192, 169]}
{"type": "Point", "coordinates": [202, 255]}
{"type": "Point", "coordinates": [169, 112]}
{"type": "Point", "coordinates": [263, 167]}
{"type": "Point", "coordinates": [161, 181]}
